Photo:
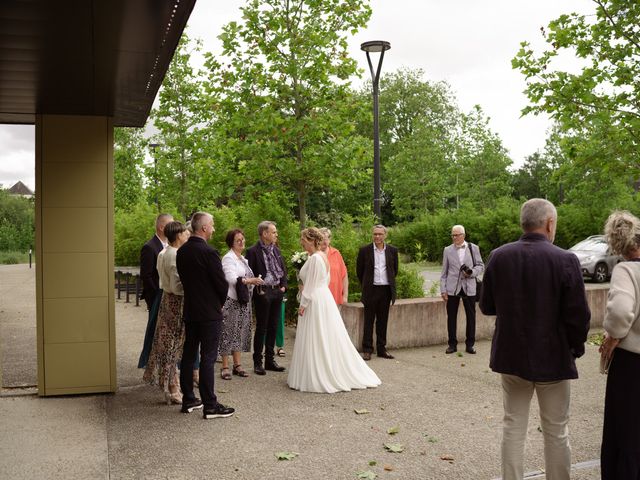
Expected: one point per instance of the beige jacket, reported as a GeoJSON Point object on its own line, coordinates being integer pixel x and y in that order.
{"type": "Point", "coordinates": [623, 306]}
{"type": "Point", "coordinates": [167, 271]}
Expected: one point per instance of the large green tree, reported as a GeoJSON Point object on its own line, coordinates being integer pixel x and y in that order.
{"type": "Point", "coordinates": [173, 177]}
{"type": "Point", "coordinates": [128, 159]}
{"type": "Point", "coordinates": [599, 100]}
{"type": "Point", "coordinates": [281, 101]}
{"type": "Point", "coordinates": [434, 155]}
{"type": "Point", "coordinates": [481, 163]}
{"type": "Point", "coordinates": [418, 124]}
{"type": "Point", "coordinates": [531, 179]}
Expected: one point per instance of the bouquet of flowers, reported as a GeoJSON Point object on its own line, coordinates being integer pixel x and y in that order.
{"type": "Point", "coordinates": [298, 259]}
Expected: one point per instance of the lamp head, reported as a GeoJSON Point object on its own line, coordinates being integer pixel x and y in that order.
{"type": "Point", "coordinates": [375, 46]}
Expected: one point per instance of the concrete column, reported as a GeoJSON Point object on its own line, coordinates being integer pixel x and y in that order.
{"type": "Point", "coordinates": [74, 248]}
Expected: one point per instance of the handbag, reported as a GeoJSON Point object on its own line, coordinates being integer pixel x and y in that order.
{"type": "Point", "coordinates": [478, 281]}
{"type": "Point", "coordinates": [242, 291]}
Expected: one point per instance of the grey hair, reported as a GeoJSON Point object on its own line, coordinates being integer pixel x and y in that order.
{"type": "Point", "coordinates": [163, 217]}
{"type": "Point", "coordinates": [198, 219]}
{"type": "Point", "coordinates": [535, 212]}
{"type": "Point", "coordinates": [622, 232]}
{"type": "Point", "coordinates": [458, 227]}
{"type": "Point", "coordinates": [380, 226]}
{"type": "Point", "coordinates": [325, 231]}
{"type": "Point", "coordinates": [264, 226]}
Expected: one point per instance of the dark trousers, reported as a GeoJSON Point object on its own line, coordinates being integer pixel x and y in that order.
{"type": "Point", "coordinates": [376, 311]}
{"type": "Point", "coordinates": [268, 309]}
{"type": "Point", "coordinates": [150, 332]}
{"type": "Point", "coordinates": [620, 454]}
{"type": "Point", "coordinates": [469, 302]}
{"type": "Point", "coordinates": [206, 335]}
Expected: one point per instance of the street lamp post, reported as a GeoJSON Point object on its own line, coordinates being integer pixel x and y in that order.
{"type": "Point", "coordinates": [372, 47]}
{"type": "Point", "coordinates": [155, 173]}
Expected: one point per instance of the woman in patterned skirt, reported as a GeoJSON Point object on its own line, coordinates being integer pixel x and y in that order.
{"type": "Point", "coordinates": [167, 343]}
{"type": "Point", "coordinates": [236, 322]}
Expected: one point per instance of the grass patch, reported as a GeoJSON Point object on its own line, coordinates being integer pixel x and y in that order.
{"type": "Point", "coordinates": [12, 258]}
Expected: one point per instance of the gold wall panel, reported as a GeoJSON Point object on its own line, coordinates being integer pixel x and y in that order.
{"type": "Point", "coordinates": [76, 320]}
{"type": "Point", "coordinates": [76, 139]}
{"type": "Point", "coordinates": [74, 185]}
{"type": "Point", "coordinates": [74, 365]}
{"type": "Point", "coordinates": [75, 230]}
{"type": "Point", "coordinates": [70, 275]}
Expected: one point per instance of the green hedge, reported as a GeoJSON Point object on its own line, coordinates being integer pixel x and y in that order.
{"type": "Point", "coordinates": [134, 227]}
{"type": "Point", "coordinates": [425, 238]}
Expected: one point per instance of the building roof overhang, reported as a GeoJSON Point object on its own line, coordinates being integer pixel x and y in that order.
{"type": "Point", "coordinates": [86, 57]}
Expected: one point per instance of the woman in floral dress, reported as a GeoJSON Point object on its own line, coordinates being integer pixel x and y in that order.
{"type": "Point", "coordinates": [169, 337]}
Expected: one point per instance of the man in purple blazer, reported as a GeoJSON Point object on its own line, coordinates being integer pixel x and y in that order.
{"type": "Point", "coordinates": [536, 291]}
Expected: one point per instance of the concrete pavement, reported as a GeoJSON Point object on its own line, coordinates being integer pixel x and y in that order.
{"type": "Point", "coordinates": [446, 409]}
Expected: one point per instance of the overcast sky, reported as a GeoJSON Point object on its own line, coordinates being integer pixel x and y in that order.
{"type": "Point", "coordinates": [468, 43]}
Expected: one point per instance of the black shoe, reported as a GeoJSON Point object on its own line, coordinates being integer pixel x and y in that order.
{"type": "Point", "coordinates": [386, 355]}
{"type": "Point", "coordinates": [366, 356]}
{"type": "Point", "coordinates": [219, 411]}
{"type": "Point", "coordinates": [471, 350]}
{"type": "Point", "coordinates": [451, 350]}
{"type": "Point", "coordinates": [189, 406]}
{"type": "Point", "coordinates": [258, 369]}
{"type": "Point", "coordinates": [273, 366]}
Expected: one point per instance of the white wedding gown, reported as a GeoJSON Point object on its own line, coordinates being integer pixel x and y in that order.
{"type": "Point", "coordinates": [324, 359]}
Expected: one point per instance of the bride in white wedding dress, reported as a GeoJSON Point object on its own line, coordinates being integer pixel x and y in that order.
{"type": "Point", "coordinates": [324, 359]}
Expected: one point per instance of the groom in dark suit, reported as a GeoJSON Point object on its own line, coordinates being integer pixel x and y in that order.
{"type": "Point", "coordinates": [205, 290]}
{"type": "Point", "coordinates": [377, 267]}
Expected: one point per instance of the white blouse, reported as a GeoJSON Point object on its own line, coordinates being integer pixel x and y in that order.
{"type": "Point", "coordinates": [235, 267]}
{"type": "Point", "coordinates": [168, 271]}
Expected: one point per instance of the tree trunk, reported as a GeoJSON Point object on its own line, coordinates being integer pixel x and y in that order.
{"type": "Point", "coordinates": [302, 203]}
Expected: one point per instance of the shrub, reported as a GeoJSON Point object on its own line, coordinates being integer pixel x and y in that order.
{"type": "Point", "coordinates": [409, 284]}
{"type": "Point", "coordinates": [425, 238]}
{"type": "Point", "coordinates": [17, 223]}
{"type": "Point", "coordinates": [132, 228]}
{"type": "Point", "coordinates": [12, 258]}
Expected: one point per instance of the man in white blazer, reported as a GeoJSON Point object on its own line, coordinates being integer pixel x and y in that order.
{"type": "Point", "coordinates": [461, 264]}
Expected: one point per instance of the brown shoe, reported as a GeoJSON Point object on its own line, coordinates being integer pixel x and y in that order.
{"type": "Point", "coordinates": [366, 356]}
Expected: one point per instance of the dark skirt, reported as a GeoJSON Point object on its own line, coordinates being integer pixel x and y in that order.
{"type": "Point", "coordinates": [236, 327]}
{"type": "Point", "coordinates": [167, 342]}
{"type": "Point", "coordinates": [620, 455]}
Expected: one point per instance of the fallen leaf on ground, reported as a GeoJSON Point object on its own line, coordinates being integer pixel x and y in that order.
{"type": "Point", "coordinates": [394, 447]}
{"type": "Point", "coordinates": [388, 468]}
{"type": "Point", "coordinates": [372, 463]}
{"type": "Point", "coordinates": [448, 458]}
{"type": "Point", "coordinates": [367, 474]}
{"type": "Point", "coordinates": [286, 455]}
{"type": "Point", "coordinates": [393, 430]}
{"type": "Point", "coordinates": [361, 411]}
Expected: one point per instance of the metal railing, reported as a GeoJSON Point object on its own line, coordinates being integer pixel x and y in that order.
{"type": "Point", "coordinates": [129, 283]}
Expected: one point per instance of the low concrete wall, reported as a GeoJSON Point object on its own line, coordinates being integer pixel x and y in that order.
{"type": "Point", "coordinates": [418, 322]}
